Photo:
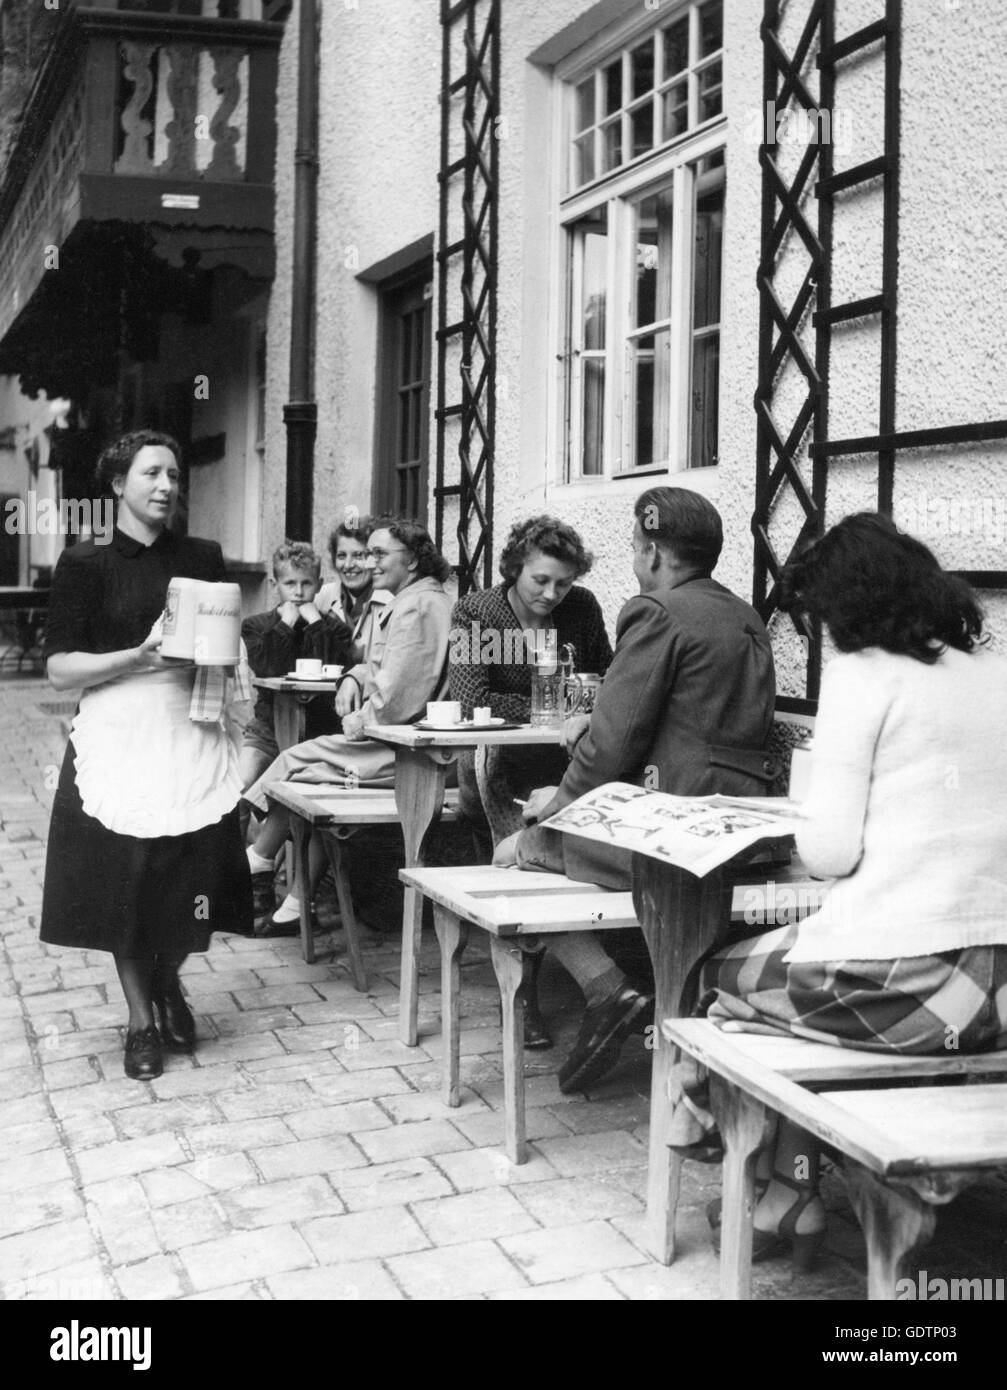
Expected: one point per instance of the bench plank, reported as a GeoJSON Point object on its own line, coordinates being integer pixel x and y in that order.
{"type": "Point", "coordinates": [556, 905]}
{"type": "Point", "coordinates": [811, 1063]}
{"type": "Point", "coordinates": [933, 1127]}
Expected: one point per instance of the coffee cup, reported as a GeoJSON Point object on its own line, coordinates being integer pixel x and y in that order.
{"type": "Point", "coordinates": [331, 673]}
{"type": "Point", "coordinates": [444, 712]}
{"type": "Point", "coordinates": [309, 669]}
{"type": "Point", "coordinates": [482, 714]}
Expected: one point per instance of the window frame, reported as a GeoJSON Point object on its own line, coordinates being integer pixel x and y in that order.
{"type": "Point", "coordinates": [672, 165]}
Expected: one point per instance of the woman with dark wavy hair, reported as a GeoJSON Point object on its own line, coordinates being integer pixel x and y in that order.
{"type": "Point", "coordinates": [492, 632]}
{"type": "Point", "coordinates": [144, 855]}
{"type": "Point", "coordinates": [906, 811]}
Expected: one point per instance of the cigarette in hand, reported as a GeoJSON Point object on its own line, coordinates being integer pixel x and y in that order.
{"type": "Point", "coordinates": [518, 802]}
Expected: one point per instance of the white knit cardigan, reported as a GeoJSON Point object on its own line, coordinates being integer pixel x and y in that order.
{"type": "Point", "coordinates": [907, 807]}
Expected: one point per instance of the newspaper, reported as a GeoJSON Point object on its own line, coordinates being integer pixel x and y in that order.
{"type": "Point", "coordinates": [697, 833]}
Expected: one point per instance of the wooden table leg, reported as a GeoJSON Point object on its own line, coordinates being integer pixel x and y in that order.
{"type": "Point", "coordinates": [288, 727]}
{"type": "Point", "coordinates": [301, 832]}
{"type": "Point", "coordinates": [419, 796]}
{"type": "Point", "coordinates": [894, 1220]}
{"type": "Point", "coordinates": [511, 965]}
{"type": "Point", "coordinates": [745, 1126]}
{"type": "Point", "coordinates": [681, 916]}
{"type": "Point", "coordinates": [334, 849]}
{"type": "Point", "coordinates": [452, 933]}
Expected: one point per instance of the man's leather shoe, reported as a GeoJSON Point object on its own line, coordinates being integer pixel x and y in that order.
{"type": "Point", "coordinates": [142, 1059]}
{"type": "Point", "coordinates": [178, 1027]}
{"type": "Point", "coordinates": [603, 1031]}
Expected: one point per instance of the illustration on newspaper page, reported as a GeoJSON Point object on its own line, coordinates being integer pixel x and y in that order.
{"type": "Point", "coordinates": [697, 833]}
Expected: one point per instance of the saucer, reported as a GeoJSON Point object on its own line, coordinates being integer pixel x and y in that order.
{"type": "Point", "coordinates": [462, 726]}
{"type": "Point", "coordinates": [295, 676]}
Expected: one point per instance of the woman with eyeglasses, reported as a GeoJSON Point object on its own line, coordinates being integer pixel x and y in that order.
{"type": "Point", "coordinates": [406, 667]}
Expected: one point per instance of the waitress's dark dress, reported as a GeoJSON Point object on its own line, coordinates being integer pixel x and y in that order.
{"type": "Point", "coordinates": [173, 869]}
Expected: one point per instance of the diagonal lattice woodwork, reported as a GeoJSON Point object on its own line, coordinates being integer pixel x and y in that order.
{"type": "Point", "coordinates": [467, 283]}
{"type": "Point", "coordinates": [786, 227]}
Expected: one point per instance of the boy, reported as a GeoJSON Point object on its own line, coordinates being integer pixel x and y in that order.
{"type": "Point", "coordinates": [277, 639]}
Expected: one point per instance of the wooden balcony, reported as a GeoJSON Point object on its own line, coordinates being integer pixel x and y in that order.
{"type": "Point", "coordinates": [140, 117]}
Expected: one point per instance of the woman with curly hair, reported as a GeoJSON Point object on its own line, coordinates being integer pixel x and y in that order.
{"type": "Point", "coordinates": [907, 811]}
{"type": "Point", "coordinates": [144, 854]}
{"type": "Point", "coordinates": [493, 635]}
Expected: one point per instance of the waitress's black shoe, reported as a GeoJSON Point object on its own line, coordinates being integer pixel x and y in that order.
{"type": "Point", "coordinates": [142, 1060]}
{"type": "Point", "coordinates": [178, 1027]}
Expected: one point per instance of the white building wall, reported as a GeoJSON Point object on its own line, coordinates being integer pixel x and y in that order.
{"type": "Point", "coordinates": [378, 193]}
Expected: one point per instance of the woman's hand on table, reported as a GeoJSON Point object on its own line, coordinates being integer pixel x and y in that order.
{"type": "Point", "coordinates": [574, 729]}
{"type": "Point", "coordinates": [347, 697]}
{"type": "Point", "coordinates": [537, 803]}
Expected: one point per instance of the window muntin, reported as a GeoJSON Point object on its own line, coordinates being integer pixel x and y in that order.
{"type": "Point", "coordinates": [653, 91]}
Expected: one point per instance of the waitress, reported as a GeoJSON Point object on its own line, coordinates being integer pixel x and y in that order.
{"type": "Point", "coordinates": [144, 853]}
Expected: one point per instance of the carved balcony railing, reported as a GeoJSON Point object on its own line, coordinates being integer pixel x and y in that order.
{"type": "Point", "coordinates": [137, 116]}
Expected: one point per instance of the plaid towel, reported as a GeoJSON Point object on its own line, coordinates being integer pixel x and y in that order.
{"type": "Point", "coordinates": [216, 687]}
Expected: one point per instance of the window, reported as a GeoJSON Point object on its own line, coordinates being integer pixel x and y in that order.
{"type": "Point", "coordinates": [400, 476]}
{"type": "Point", "coordinates": [643, 224]}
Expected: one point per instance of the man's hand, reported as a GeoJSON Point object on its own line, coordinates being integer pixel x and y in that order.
{"type": "Point", "coordinates": [537, 802]}
{"type": "Point", "coordinates": [575, 728]}
{"type": "Point", "coordinates": [289, 613]}
{"type": "Point", "coordinates": [347, 697]}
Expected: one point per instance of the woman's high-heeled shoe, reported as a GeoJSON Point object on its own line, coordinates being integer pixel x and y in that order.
{"type": "Point", "coordinates": [804, 1246]}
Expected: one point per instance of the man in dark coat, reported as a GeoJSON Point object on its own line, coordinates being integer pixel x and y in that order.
{"type": "Point", "coordinates": [686, 708]}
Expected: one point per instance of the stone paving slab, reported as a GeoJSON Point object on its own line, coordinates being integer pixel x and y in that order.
{"type": "Point", "coordinates": [304, 1152]}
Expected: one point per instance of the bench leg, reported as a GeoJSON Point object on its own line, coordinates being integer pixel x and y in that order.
{"type": "Point", "coordinates": [894, 1221]}
{"type": "Point", "coordinates": [419, 796]}
{"type": "Point", "coordinates": [452, 933]}
{"type": "Point", "coordinates": [511, 965]}
{"type": "Point", "coordinates": [334, 850]}
{"type": "Point", "coordinates": [745, 1126]}
{"type": "Point", "coordinates": [301, 832]}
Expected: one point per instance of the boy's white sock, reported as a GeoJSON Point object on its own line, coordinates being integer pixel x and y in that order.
{"type": "Point", "coordinates": [289, 910]}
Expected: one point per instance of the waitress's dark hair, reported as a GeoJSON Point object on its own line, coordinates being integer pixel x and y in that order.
{"type": "Point", "coordinates": [549, 536]}
{"type": "Point", "coordinates": [115, 460]}
{"type": "Point", "coordinates": [417, 540]}
{"type": "Point", "coordinates": [874, 586]}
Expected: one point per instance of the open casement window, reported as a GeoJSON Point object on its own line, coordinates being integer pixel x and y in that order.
{"type": "Point", "coordinates": [643, 229]}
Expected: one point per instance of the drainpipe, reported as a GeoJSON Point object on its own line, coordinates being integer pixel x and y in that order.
{"type": "Point", "coordinates": [300, 414]}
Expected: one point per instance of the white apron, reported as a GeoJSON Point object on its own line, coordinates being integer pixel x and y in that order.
{"type": "Point", "coordinates": [144, 768]}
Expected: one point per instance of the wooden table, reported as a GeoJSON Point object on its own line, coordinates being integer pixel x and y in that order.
{"type": "Point", "coordinates": [289, 698]}
{"type": "Point", "coordinates": [422, 758]}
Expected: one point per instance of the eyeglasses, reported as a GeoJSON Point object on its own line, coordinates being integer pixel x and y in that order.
{"type": "Point", "coordinates": [383, 554]}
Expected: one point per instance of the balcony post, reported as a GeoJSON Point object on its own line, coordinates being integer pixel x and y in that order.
{"type": "Point", "coordinates": [300, 414]}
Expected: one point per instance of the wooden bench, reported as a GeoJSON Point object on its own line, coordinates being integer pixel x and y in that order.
{"type": "Point", "coordinates": [507, 904]}
{"type": "Point", "coordinates": [337, 813]}
{"type": "Point", "coordinates": [907, 1148]}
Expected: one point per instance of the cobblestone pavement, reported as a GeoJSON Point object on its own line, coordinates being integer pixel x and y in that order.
{"type": "Point", "coordinates": [303, 1152]}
